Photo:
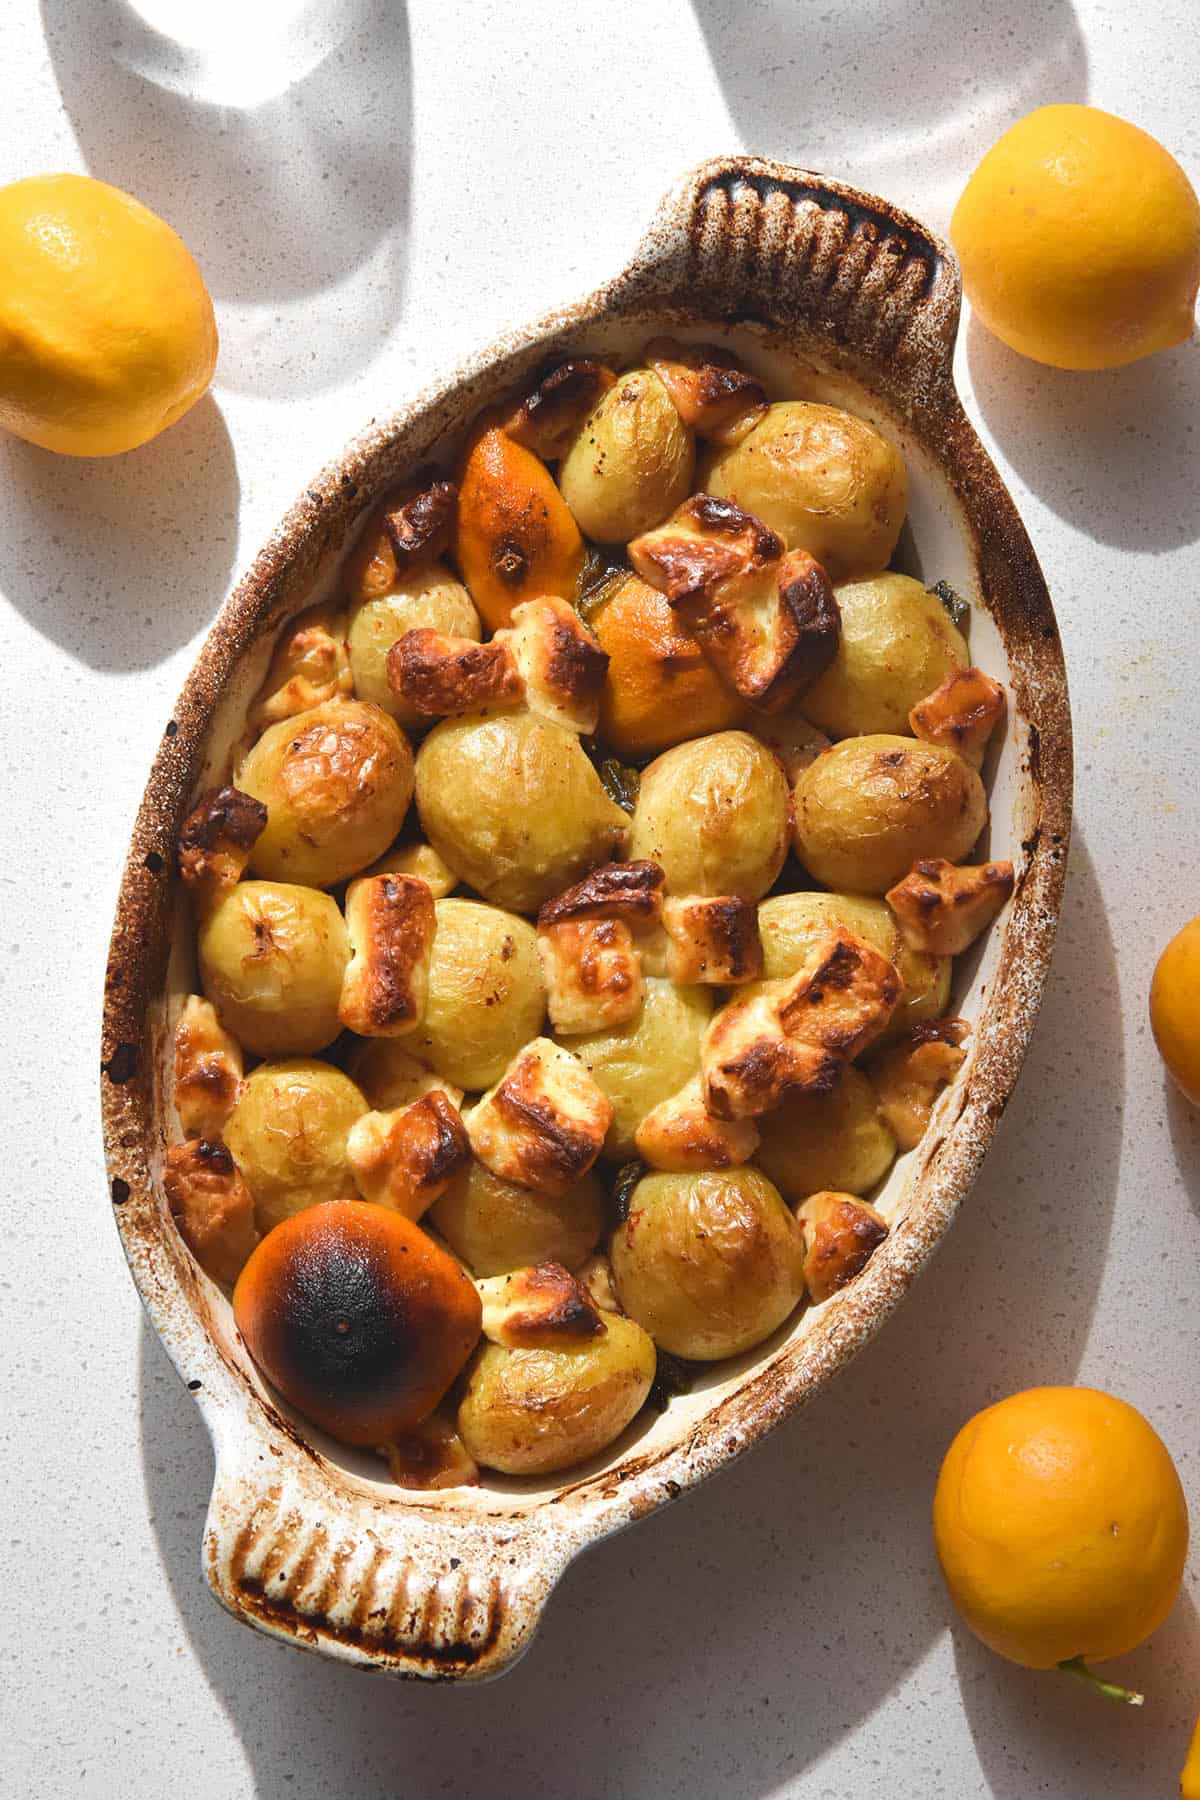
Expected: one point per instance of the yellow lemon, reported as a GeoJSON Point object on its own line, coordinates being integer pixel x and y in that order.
{"type": "Point", "coordinates": [107, 333]}
{"type": "Point", "coordinates": [1061, 1526]}
{"type": "Point", "coordinates": [1175, 1009]}
{"type": "Point", "coordinates": [1079, 239]}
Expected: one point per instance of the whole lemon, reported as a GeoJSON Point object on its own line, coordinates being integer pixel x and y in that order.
{"type": "Point", "coordinates": [1079, 238]}
{"type": "Point", "coordinates": [1061, 1526]}
{"type": "Point", "coordinates": [1175, 1008]}
{"type": "Point", "coordinates": [107, 333]}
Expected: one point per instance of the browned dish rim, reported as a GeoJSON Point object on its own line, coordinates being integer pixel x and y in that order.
{"type": "Point", "coordinates": [293, 1543]}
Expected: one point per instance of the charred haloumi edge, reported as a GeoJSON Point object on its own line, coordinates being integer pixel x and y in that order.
{"type": "Point", "coordinates": [681, 1133]}
{"type": "Point", "coordinates": [431, 1455]}
{"type": "Point", "coordinates": [941, 907]}
{"type": "Point", "coordinates": [542, 1308]}
{"type": "Point", "coordinates": [714, 397]}
{"type": "Point", "coordinates": [796, 1036]}
{"type": "Point", "coordinates": [593, 974]}
{"type": "Point", "coordinates": [560, 663]}
{"type": "Point", "coordinates": [766, 619]}
{"type": "Point", "coordinates": [630, 891]}
{"type": "Point", "coordinates": [211, 1204]}
{"type": "Point", "coordinates": [441, 676]}
{"type": "Point", "coordinates": [908, 1076]}
{"type": "Point", "coordinates": [711, 940]}
{"type": "Point", "coordinates": [208, 1069]}
{"type": "Point", "coordinates": [406, 1159]}
{"type": "Point", "coordinates": [543, 1124]}
{"type": "Point", "coordinates": [417, 524]}
{"type": "Point", "coordinates": [216, 840]}
{"type": "Point", "coordinates": [311, 664]}
{"type": "Point", "coordinates": [390, 921]}
{"type": "Point", "coordinates": [841, 1234]}
{"type": "Point", "coordinates": [961, 713]}
{"type": "Point", "coordinates": [549, 417]}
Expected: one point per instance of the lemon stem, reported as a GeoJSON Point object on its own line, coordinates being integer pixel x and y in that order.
{"type": "Point", "coordinates": [1108, 1690]}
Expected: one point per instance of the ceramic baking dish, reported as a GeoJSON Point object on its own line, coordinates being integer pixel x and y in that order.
{"type": "Point", "coordinates": [830, 294]}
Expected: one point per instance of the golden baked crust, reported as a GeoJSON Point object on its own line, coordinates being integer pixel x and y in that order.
{"type": "Point", "coordinates": [311, 664]}
{"type": "Point", "coordinates": [561, 665]}
{"type": "Point", "coordinates": [962, 712]}
{"type": "Point", "coordinates": [841, 1234]}
{"type": "Point", "coordinates": [390, 920]}
{"type": "Point", "coordinates": [941, 907]}
{"type": "Point", "coordinates": [712, 940]}
{"type": "Point", "coordinates": [406, 1159]}
{"type": "Point", "coordinates": [417, 527]}
{"type": "Point", "coordinates": [592, 973]}
{"type": "Point", "coordinates": [680, 1133]}
{"type": "Point", "coordinates": [208, 1069]}
{"type": "Point", "coordinates": [547, 419]}
{"type": "Point", "coordinates": [216, 840]}
{"type": "Point", "coordinates": [211, 1205]}
{"type": "Point", "coordinates": [631, 891]}
{"type": "Point", "coordinates": [712, 394]}
{"type": "Point", "coordinates": [543, 1124]}
{"type": "Point", "coordinates": [537, 1309]}
{"type": "Point", "coordinates": [440, 676]}
{"type": "Point", "coordinates": [908, 1076]}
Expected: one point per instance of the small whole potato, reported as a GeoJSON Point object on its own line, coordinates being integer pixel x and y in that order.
{"type": "Point", "coordinates": [645, 1062]}
{"type": "Point", "coordinates": [287, 1135]}
{"type": "Point", "coordinates": [513, 804]}
{"type": "Point", "coordinates": [790, 924]}
{"type": "Point", "coordinates": [631, 462]}
{"type": "Point", "coordinates": [869, 807]}
{"type": "Point", "coordinates": [426, 596]}
{"type": "Point", "coordinates": [531, 1412]}
{"type": "Point", "coordinates": [714, 812]}
{"type": "Point", "coordinates": [898, 643]}
{"type": "Point", "coordinates": [272, 956]}
{"type": "Point", "coordinates": [825, 480]}
{"type": "Point", "coordinates": [709, 1263]}
{"type": "Point", "coordinates": [496, 1226]}
{"type": "Point", "coordinates": [836, 1140]}
{"type": "Point", "coordinates": [336, 782]}
{"type": "Point", "coordinates": [486, 998]}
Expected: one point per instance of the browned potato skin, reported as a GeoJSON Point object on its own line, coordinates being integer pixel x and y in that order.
{"type": "Point", "coordinates": [647, 1061]}
{"type": "Point", "coordinates": [710, 1263]}
{"type": "Point", "coordinates": [826, 481]}
{"type": "Point", "coordinates": [533, 1412]}
{"type": "Point", "coordinates": [835, 1140]}
{"type": "Point", "coordinates": [898, 643]}
{"type": "Point", "coordinates": [870, 807]}
{"type": "Point", "coordinates": [630, 463]}
{"type": "Point", "coordinates": [789, 925]}
{"type": "Point", "coordinates": [714, 814]}
{"type": "Point", "coordinates": [288, 1136]}
{"type": "Point", "coordinates": [425, 597]}
{"type": "Point", "coordinates": [496, 1226]}
{"type": "Point", "coordinates": [513, 804]}
{"type": "Point", "coordinates": [336, 782]}
{"type": "Point", "coordinates": [272, 958]}
{"type": "Point", "coordinates": [485, 998]}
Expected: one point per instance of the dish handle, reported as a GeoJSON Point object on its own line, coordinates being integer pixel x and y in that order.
{"type": "Point", "coordinates": [748, 239]}
{"type": "Point", "coordinates": [306, 1557]}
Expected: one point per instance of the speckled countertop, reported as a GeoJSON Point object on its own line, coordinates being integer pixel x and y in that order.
{"type": "Point", "coordinates": [369, 200]}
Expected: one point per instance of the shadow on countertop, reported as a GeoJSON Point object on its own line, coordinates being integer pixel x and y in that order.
{"type": "Point", "coordinates": [121, 559]}
{"type": "Point", "coordinates": [745, 1630]}
{"type": "Point", "coordinates": [1183, 1122]}
{"type": "Point", "coordinates": [282, 157]}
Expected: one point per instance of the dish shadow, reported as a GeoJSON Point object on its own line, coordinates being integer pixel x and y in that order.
{"type": "Point", "coordinates": [1115, 453]}
{"type": "Point", "coordinates": [800, 80]}
{"type": "Point", "coordinates": [747, 1629]}
{"type": "Point", "coordinates": [283, 162]}
{"type": "Point", "coordinates": [121, 559]}
{"type": "Point", "coordinates": [1183, 1122]}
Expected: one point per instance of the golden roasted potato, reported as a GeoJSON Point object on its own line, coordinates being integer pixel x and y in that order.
{"type": "Point", "coordinates": [390, 1075]}
{"type": "Point", "coordinates": [336, 782]}
{"type": "Point", "coordinates": [794, 739]}
{"type": "Point", "coordinates": [871, 807]}
{"type": "Point", "coordinates": [713, 813]}
{"type": "Point", "coordinates": [898, 643]}
{"type": "Point", "coordinates": [826, 481]}
{"type": "Point", "coordinates": [841, 1235]}
{"type": "Point", "coordinates": [310, 665]}
{"type": "Point", "coordinates": [288, 1136]}
{"type": "Point", "coordinates": [833, 1140]}
{"type": "Point", "coordinates": [531, 1412]}
{"type": "Point", "coordinates": [630, 463]}
{"type": "Point", "coordinates": [496, 1226]}
{"type": "Point", "coordinates": [211, 1205]}
{"type": "Point", "coordinates": [485, 997]}
{"type": "Point", "coordinates": [789, 925]}
{"type": "Point", "coordinates": [709, 1263]}
{"type": "Point", "coordinates": [426, 597]}
{"type": "Point", "coordinates": [413, 856]}
{"type": "Point", "coordinates": [515, 806]}
{"type": "Point", "coordinates": [272, 958]}
{"type": "Point", "coordinates": [647, 1061]}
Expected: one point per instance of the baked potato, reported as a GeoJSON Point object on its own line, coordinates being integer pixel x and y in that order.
{"type": "Point", "coordinates": [790, 924]}
{"type": "Point", "coordinates": [288, 1134]}
{"type": "Point", "coordinates": [496, 1226]}
{"type": "Point", "coordinates": [825, 480]}
{"type": "Point", "coordinates": [630, 463]}
{"type": "Point", "coordinates": [530, 1412]}
{"type": "Point", "coordinates": [336, 781]}
{"type": "Point", "coordinates": [714, 814]}
{"type": "Point", "coordinates": [834, 1140]}
{"type": "Point", "coordinates": [485, 997]}
{"type": "Point", "coordinates": [513, 804]}
{"type": "Point", "coordinates": [709, 1263]}
{"type": "Point", "coordinates": [425, 597]}
{"type": "Point", "coordinates": [898, 644]}
{"type": "Point", "coordinates": [870, 807]}
{"type": "Point", "coordinates": [645, 1062]}
{"type": "Point", "coordinates": [272, 959]}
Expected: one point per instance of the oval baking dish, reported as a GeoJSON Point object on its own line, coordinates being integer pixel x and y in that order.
{"type": "Point", "coordinates": [821, 290]}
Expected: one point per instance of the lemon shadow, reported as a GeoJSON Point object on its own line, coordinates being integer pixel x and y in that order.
{"type": "Point", "coordinates": [292, 190]}
{"type": "Point", "coordinates": [1116, 453]}
{"type": "Point", "coordinates": [1183, 1122]}
{"type": "Point", "coordinates": [120, 560]}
